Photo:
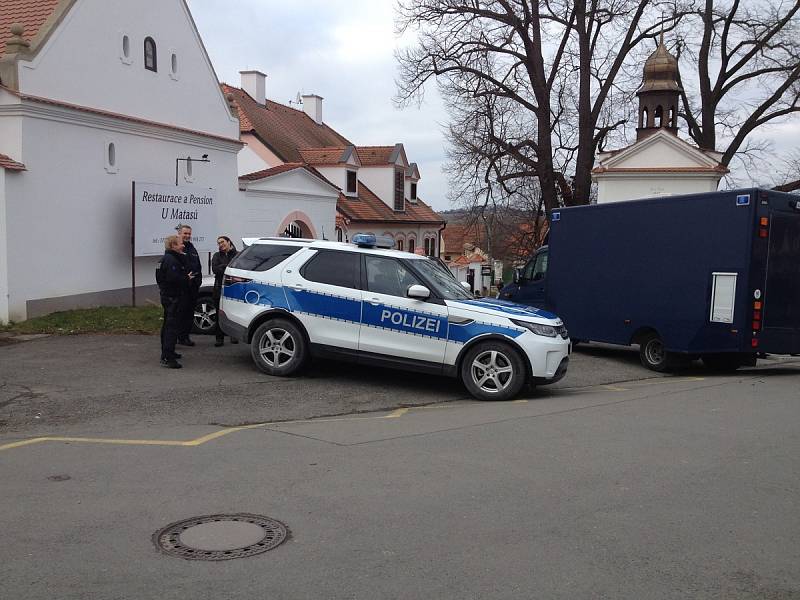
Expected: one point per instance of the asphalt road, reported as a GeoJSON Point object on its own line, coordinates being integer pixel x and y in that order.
{"type": "Point", "coordinates": [104, 383]}
{"type": "Point", "coordinates": [676, 487]}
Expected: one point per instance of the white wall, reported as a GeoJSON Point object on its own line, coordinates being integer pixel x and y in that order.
{"type": "Point", "coordinates": [3, 250]}
{"type": "Point", "coordinates": [69, 221]}
{"type": "Point", "coordinates": [381, 181]}
{"type": "Point", "coordinates": [617, 188]}
{"type": "Point", "coordinates": [81, 64]}
{"type": "Point", "coordinates": [250, 162]}
{"type": "Point", "coordinates": [262, 209]}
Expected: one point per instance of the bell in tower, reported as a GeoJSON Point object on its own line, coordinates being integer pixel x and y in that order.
{"type": "Point", "coordinates": [659, 93]}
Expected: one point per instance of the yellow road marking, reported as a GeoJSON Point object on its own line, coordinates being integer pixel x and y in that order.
{"type": "Point", "coordinates": [228, 430]}
{"type": "Point", "coordinates": [188, 443]}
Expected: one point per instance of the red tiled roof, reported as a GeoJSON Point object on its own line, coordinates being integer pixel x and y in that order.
{"type": "Point", "coordinates": [371, 156]}
{"type": "Point", "coordinates": [368, 207]}
{"type": "Point", "coordinates": [105, 113]}
{"type": "Point", "coordinates": [322, 156]}
{"type": "Point", "coordinates": [10, 164]}
{"type": "Point", "coordinates": [284, 130]}
{"type": "Point", "coordinates": [31, 14]}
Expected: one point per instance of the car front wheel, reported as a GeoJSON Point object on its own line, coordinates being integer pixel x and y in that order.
{"type": "Point", "coordinates": [493, 371]}
{"type": "Point", "coordinates": [278, 348]}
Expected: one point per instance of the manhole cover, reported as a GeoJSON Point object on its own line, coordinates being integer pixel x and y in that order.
{"type": "Point", "coordinates": [220, 537]}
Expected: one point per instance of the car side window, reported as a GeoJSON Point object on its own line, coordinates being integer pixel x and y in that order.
{"type": "Point", "coordinates": [334, 268]}
{"type": "Point", "coordinates": [527, 272]}
{"type": "Point", "coordinates": [540, 268]}
{"type": "Point", "coordinates": [388, 276]}
{"type": "Point", "coordinates": [262, 257]}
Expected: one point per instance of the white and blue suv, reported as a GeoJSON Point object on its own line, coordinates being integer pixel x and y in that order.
{"type": "Point", "coordinates": [294, 299]}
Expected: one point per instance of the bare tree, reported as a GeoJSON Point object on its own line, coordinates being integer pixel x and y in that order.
{"type": "Point", "coordinates": [747, 75]}
{"type": "Point", "coordinates": [541, 78]}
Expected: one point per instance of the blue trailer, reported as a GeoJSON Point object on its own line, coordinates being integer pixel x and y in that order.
{"type": "Point", "coordinates": [713, 276]}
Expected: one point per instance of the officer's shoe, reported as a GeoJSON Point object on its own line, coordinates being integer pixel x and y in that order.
{"type": "Point", "coordinates": [185, 342]}
{"type": "Point", "coordinates": [176, 356]}
{"type": "Point", "coordinates": [170, 363]}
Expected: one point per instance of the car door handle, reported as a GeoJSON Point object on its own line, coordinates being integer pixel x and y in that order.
{"type": "Point", "coordinates": [296, 286]}
{"type": "Point", "coordinates": [374, 301]}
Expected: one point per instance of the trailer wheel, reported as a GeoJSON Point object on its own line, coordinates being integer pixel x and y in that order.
{"type": "Point", "coordinates": [652, 353]}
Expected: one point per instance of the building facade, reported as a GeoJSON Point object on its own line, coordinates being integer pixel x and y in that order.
{"type": "Point", "coordinates": [72, 146]}
{"type": "Point", "coordinates": [659, 163]}
{"type": "Point", "coordinates": [378, 186]}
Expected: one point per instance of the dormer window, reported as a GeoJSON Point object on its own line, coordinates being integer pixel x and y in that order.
{"type": "Point", "coordinates": [399, 191]}
{"type": "Point", "coordinates": [352, 183]}
{"type": "Point", "coordinates": [150, 55]}
{"type": "Point", "coordinates": [413, 194]}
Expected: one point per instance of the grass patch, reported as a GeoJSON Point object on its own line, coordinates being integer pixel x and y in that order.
{"type": "Point", "coordinates": [105, 319]}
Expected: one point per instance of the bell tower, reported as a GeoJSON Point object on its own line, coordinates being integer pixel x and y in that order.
{"type": "Point", "coordinates": [659, 93]}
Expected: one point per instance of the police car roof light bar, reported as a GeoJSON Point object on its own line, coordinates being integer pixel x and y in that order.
{"type": "Point", "coordinates": [367, 240]}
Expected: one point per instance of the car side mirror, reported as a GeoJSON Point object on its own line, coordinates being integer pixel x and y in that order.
{"type": "Point", "coordinates": [419, 292]}
{"type": "Point", "coordinates": [517, 275]}
{"type": "Point", "coordinates": [466, 286]}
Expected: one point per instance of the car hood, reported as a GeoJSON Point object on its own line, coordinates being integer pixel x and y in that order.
{"type": "Point", "coordinates": [504, 308]}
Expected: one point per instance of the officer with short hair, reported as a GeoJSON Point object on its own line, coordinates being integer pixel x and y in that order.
{"type": "Point", "coordinates": [189, 299]}
{"type": "Point", "coordinates": [173, 283]}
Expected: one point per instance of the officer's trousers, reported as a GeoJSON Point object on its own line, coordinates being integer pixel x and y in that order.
{"type": "Point", "coordinates": [170, 326]}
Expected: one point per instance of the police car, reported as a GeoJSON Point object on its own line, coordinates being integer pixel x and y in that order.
{"type": "Point", "coordinates": [294, 299]}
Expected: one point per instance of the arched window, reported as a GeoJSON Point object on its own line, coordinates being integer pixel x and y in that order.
{"type": "Point", "coordinates": [412, 245]}
{"type": "Point", "coordinates": [293, 230]}
{"type": "Point", "coordinates": [673, 118]}
{"type": "Point", "coordinates": [150, 55]}
{"type": "Point", "coordinates": [339, 235]}
{"type": "Point", "coordinates": [645, 122]}
{"type": "Point", "coordinates": [126, 46]}
{"type": "Point", "coordinates": [659, 116]}
{"type": "Point", "coordinates": [112, 155]}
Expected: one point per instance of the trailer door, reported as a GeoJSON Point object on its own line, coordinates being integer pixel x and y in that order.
{"type": "Point", "coordinates": [782, 291]}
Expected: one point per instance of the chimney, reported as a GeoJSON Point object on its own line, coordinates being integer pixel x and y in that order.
{"type": "Point", "coordinates": [312, 106]}
{"type": "Point", "coordinates": [255, 84]}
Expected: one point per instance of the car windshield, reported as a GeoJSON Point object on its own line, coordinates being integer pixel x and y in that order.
{"type": "Point", "coordinates": [442, 280]}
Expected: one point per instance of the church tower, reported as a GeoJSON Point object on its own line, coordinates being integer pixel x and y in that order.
{"type": "Point", "coordinates": [659, 94]}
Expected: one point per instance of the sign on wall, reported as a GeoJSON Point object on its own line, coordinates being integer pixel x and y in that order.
{"type": "Point", "coordinates": [158, 209]}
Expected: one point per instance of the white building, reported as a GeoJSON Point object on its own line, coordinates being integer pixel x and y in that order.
{"type": "Point", "coordinates": [377, 187]}
{"type": "Point", "coordinates": [95, 94]}
{"type": "Point", "coordinates": [659, 163]}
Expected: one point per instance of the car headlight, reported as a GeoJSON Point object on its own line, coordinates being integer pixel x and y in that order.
{"type": "Point", "coordinates": [545, 330]}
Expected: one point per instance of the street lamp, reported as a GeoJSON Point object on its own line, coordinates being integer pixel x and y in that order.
{"type": "Point", "coordinates": [189, 159]}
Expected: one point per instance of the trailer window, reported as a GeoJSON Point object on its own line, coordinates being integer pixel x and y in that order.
{"type": "Point", "coordinates": [723, 297]}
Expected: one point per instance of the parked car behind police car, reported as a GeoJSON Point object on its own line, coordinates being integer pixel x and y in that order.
{"type": "Point", "coordinates": [293, 299]}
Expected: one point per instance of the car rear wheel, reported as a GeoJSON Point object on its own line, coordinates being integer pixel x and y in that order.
{"type": "Point", "coordinates": [279, 348]}
{"type": "Point", "coordinates": [493, 371]}
{"type": "Point", "coordinates": [205, 316]}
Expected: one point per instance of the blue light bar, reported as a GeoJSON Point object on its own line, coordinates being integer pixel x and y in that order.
{"type": "Point", "coordinates": [364, 240]}
{"type": "Point", "coordinates": [367, 240]}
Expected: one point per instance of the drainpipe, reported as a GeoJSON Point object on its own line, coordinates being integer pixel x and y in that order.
{"type": "Point", "coordinates": [439, 241]}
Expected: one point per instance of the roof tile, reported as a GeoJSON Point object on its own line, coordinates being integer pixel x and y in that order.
{"type": "Point", "coordinates": [284, 130]}
{"type": "Point", "coordinates": [10, 164]}
{"type": "Point", "coordinates": [32, 14]}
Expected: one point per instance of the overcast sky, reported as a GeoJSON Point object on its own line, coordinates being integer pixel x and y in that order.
{"type": "Point", "coordinates": [342, 51]}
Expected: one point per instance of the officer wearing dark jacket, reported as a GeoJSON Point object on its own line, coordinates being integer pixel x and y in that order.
{"type": "Point", "coordinates": [173, 283]}
{"type": "Point", "coordinates": [188, 300]}
{"type": "Point", "coordinates": [220, 260]}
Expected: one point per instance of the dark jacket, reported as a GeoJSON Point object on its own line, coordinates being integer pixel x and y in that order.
{"type": "Point", "coordinates": [219, 261]}
{"type": "Point", "coordinates": [193, 264]}
{"type": "Point", "coordinates": [171, 275]}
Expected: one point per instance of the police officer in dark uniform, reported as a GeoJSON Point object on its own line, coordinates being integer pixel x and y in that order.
{"type": "Point", "coordinates": [173, 283]}
{"type": "Point", "coordinates": [189, 299]}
